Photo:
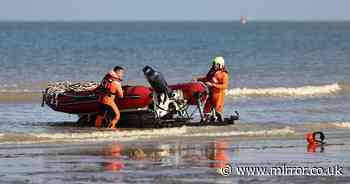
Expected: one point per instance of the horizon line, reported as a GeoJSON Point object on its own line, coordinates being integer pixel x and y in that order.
{"type": "Point", "coordinates": [171, 20]}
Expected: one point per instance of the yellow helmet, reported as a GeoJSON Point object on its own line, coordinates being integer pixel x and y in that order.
{"type": "Point", "coordinates": [219, 61]}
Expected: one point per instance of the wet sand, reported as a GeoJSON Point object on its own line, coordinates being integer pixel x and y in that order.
{"type": "Point", "coordinates": [169, 160]}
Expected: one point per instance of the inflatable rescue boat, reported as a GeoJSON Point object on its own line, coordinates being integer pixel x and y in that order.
{"type": "Point", "coordinates": [160, 105]}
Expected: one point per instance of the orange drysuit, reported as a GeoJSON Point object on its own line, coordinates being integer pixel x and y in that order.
{"type": "Point", "coordinates": [111, 88]}
{"type": "Point", "coordinates": [219, 80]}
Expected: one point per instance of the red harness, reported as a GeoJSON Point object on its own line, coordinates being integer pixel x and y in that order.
{"type": "Point", "coordinates": [106, 84]}
{"type": "Point", "coordinates": [211, 75]}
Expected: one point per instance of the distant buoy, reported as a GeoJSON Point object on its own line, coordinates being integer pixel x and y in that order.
{"type": "Point", "coordinates": [310, 139]}
{"type": "Point", "coordinates": [243, 20]}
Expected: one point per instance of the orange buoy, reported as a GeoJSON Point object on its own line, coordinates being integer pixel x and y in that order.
{"type": "Point", "coordinates": [310, 138]}
{"type": "Point", "coordinates": [315, 140]}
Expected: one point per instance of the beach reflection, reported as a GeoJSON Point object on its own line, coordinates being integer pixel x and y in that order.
{"type": "Point", "coordinates": [114, 154]}
{"type": "Point", "coordinates": [312, 148]}
{"type": "Point", "coordinates": [118, 156]}
{"type": "Point", "coordinates": [217, 152]}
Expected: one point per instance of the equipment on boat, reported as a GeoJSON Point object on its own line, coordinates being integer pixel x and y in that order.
{"type": "Point", "coordinates": [160, 105]}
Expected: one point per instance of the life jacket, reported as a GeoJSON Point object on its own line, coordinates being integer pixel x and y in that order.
{"type": "Point", "coordinates": [211, 75]}
{"type": "Point", "coordinates": [106, 84]}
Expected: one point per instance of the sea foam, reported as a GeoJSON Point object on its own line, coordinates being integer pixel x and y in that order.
{"type": "Point", "coordinates": [271, 132]}
{"type": "Point", "coordinates": [342, 124]}
{"type": "Point", "coordinates": [286, 92]}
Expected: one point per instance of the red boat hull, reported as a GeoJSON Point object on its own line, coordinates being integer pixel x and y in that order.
{"type": "Point", "coordinates": [190, 90]}
{"type": "Point", "coordinates": [86, 102]}
{"type": "Point", "coordinates": [135, 98]}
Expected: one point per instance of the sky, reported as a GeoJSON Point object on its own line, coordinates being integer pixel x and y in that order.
{"type": "Point", "coordinates": [121, 10]}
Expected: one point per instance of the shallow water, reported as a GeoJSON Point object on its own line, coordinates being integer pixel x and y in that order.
{"type": "Point", "coordinates": [169, 161]}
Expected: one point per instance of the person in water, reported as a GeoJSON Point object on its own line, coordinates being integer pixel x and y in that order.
{"type": "Point", "coordinates": [110, 90]}
{"type": "Point", "coordinates": [217, 81]}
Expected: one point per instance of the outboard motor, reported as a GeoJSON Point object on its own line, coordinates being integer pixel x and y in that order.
{"type": "Point", "coordinates": [166, 101]}
{"type": "Point", "coordinates": [157, 81]}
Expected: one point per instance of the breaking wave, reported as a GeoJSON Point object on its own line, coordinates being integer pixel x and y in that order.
{"type": "Point", "coordinates": [104, 135]}
{"type": "Point", "coordinates": [13, 94]}
{"type": "Point", "coordinates": [342, 124]}
{"type": "Point", "coordinates": [272, 132]}
{"type": "Point", "coordinates": [304, 91]}
{"type": "Point", "coordinates": [130, 135]}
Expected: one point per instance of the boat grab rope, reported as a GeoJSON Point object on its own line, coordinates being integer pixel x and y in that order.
{"type": "Point", "coordinates": [54, 89]}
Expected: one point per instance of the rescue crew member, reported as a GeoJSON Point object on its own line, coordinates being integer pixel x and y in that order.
{"type": "Point", "coordinates": [217, 81]}
{"type": "Point", "coordinates": [110, 90]}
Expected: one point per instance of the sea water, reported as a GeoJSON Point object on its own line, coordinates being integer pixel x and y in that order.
{"type": "Point", "coordinates": [286, 78]}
